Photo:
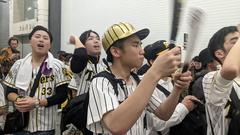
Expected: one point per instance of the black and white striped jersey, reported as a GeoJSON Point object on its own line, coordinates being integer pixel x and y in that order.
{"type": "Point", "coordinates": [42, 118]}
{"type": "Point", "coordinates": [103, 99]}
{"type": "Point", "coordinates": [217, 93]}
{"type": "Point", "coordinates": [81, 81]}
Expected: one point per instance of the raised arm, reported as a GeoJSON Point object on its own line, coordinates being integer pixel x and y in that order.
{"type": "Point", "coordinates": [80, 58]}
{"type": "Point", "coordinates": [131, 109]}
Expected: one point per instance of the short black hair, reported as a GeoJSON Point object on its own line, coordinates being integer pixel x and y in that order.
{"type": "Point", "coordinates": [37, 28]}
{"type": "Point", "coordinates": [196, 58]}
{"type": "Point", "coordinates": [12, 39]}
{"type": "Point", "coordinates": [205, 57]}
{"type": "Point", "coordinates": [118, 44]}
{"type": "Point", "coordinates": [217, 40]}
{"type": "Point", "coordinates": [85, 35]}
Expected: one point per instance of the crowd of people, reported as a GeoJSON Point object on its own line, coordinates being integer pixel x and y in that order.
{"type": "Point", "coordinates": [147, 99]}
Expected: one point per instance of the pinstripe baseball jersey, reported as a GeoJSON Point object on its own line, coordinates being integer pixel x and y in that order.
{"type": "Point", "coordinates": [81, 81]}
{"type": "Point", "coordinates": [217, 92]}
{"type": "Point", "coordinates": [2, 96]}
{"type": "Point", "coordinates": [74, 83]}
{"type": "Point", "coordinates": [42, 118]}
{"type": "Point", "coordinates": [102, 99]}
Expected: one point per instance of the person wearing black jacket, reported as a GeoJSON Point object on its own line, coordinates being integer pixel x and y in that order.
{"type": "Point", "coordinates": [85, 62]}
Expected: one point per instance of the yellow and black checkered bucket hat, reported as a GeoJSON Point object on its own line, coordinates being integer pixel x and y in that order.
{"type": "Point", "coordinates": [120, 31]}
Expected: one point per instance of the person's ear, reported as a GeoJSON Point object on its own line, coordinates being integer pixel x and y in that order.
{"type": "Point", "coordinates": [116, 52]}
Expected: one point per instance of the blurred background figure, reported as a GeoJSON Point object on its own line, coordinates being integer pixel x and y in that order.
{"type": "Point", "coordinates": [195, 65]}
{"type": "Point", "coordinates": [10, 53]}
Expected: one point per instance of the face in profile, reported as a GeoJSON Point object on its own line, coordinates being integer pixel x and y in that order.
{"type": "Point", "coordinates": [132, 53]}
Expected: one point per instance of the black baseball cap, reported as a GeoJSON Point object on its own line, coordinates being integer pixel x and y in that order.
{"type": "Point", "coordinates": [152, 50]}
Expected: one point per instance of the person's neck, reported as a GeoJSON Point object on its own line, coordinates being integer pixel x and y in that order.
{"type": "Point", "coordinates": [37, 60]}
{"type": "Point", "coordinates": [121, 71]}
{"type": "Point", "coordinates": [165, 79]}
{"type": "Point", "coordinates": [93, 59]}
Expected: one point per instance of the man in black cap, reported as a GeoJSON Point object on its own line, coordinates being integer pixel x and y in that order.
{"type": "Point", "coordinates": [50, 91]}
{"type": "Point", "coordinates": [150, 53]}
{"type": "Point", "coordinates": [163, 89]}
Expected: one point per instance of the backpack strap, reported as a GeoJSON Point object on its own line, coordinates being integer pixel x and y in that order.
{"type": "Point", "coordinates": [162, 89]}
{"type": "Point", "coordinates": [111, 79]}
{"type": "Point", "coordinates": [36, 81]}
{"type": "Point", "coordinates": [234, 104]}
{"type": "Point", "coordinates": [135, 77]}
{"type": "Point", "coordinates": [234, 97]}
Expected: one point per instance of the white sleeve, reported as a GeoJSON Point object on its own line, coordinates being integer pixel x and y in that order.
{"type": "Point", "coordinates": [102, 99]}
{"type": "Point", "coordinates": [74, 83]}
{"type": "Point", "coordinates": [178, 115]}
{"type": "Point", "coordinates": [12, 74]}
{"type": "Point", "coordinates": [62, 76]}
{"type": "Point", "coordinates": [155, 100]}
{"type": "Point", "coordinates": [2, 96]}
{"type": "Point", "coordinates": [217, 92]}
{"type": "Point", "coordinates": [216, 89]}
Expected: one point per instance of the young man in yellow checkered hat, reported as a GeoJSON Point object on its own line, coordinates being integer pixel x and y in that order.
{"type": "Point", "coordinates": [123, 113]}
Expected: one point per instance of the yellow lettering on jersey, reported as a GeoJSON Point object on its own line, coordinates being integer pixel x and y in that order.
{"type": "Point", "coordinates": [66, 72]}
{"type": "Point", "coordinates": [52, 78]}
{"type": "Point", "coordinates": [45, 79]}
{"type": "Point", "coordinates": [47, 91]}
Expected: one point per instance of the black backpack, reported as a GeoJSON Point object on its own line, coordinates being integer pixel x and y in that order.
{"type": "Point", "coordinates": [234, 114]}
{"type": "Point", "coordinates": [195, 122]}
{"type": "Point", "coordinates": [75, 112]}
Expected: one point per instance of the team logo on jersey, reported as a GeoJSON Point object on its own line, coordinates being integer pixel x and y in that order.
{"type": "Point", "coordinates": [66, 72]}
{"type": "Point", "coordinates": [45, 79]}
{"type": "Point", "coordinates": [88, 73]}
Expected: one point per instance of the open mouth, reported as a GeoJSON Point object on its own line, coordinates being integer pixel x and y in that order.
{"type": "Point", "coordinates": [40, 45]}
{"type": "Point", "coordinates": [96, 46]}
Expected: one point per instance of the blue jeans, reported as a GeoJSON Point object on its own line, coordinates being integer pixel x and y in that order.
{"type": "Point", "coordinates": [52, 132]}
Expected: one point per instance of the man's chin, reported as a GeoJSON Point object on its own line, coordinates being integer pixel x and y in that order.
{"type": "Point", "coordinates": [97, 53]}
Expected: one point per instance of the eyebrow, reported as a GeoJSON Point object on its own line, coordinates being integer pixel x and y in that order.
{"type": "Point", "coordinates": [234, 38]}
{"type": "Point", "coordinates": [93, 37]}
{"type": "Point", "coordinates": [137, 42]}
{"type": "Point", "coordinates": [45, 36]}
{"type": "Point", "coordinates": [41, 35]}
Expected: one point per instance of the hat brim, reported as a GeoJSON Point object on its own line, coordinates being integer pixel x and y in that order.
{"type": "Point", "coordinates": [143, 33]}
